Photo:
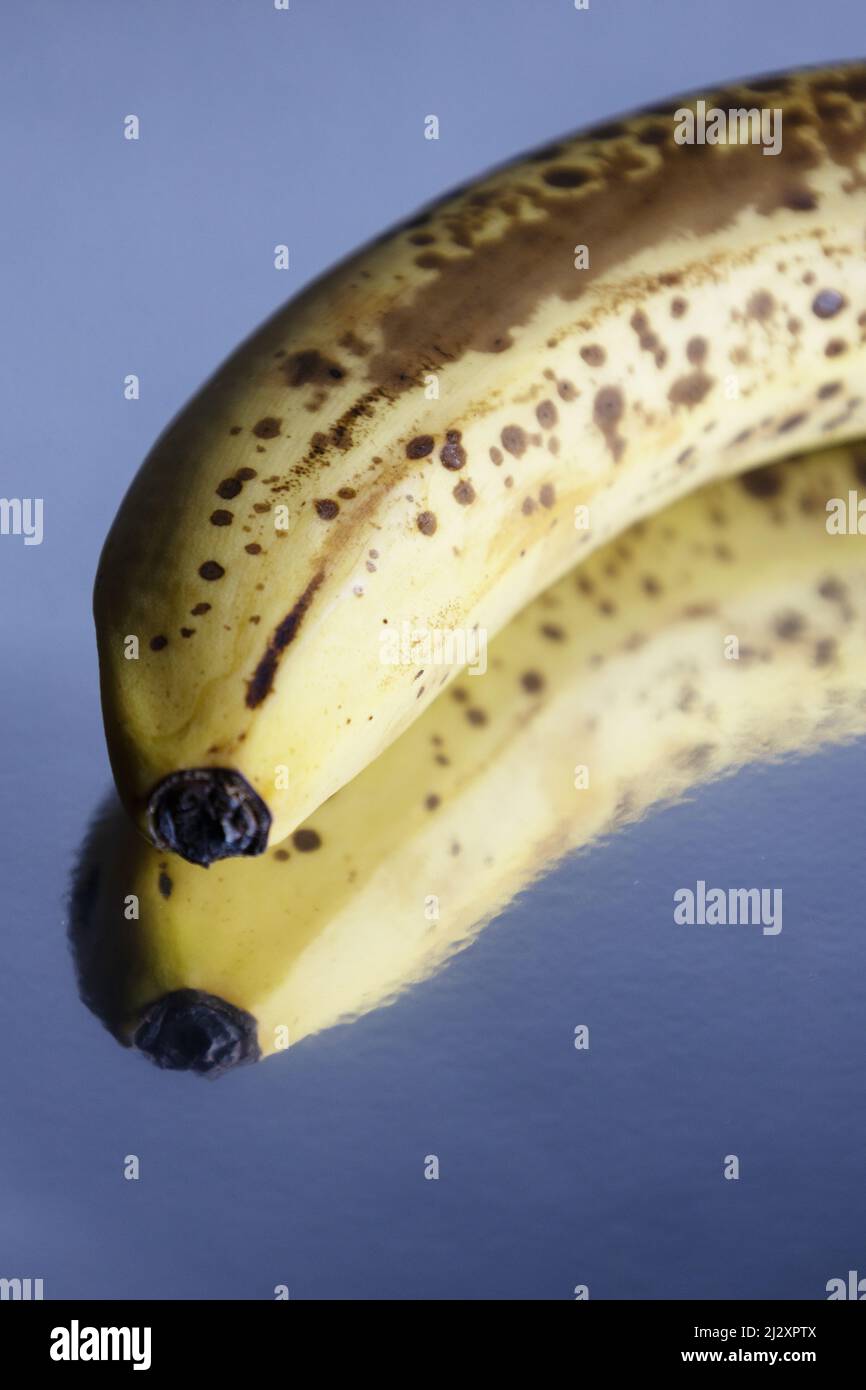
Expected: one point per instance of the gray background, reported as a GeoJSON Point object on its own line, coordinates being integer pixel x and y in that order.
{"type": "Point", "coordinates": [156, 258]}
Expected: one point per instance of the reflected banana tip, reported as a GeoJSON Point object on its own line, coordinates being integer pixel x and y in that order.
{"type": "Point", "coordinates": [189, 1030]}
{"type": "Point", "coordinates": [207, 813]}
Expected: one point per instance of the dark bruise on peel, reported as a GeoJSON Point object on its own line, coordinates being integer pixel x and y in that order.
{"type": "Point", "coordinates": [263, 678]}
{"type": "Point", "coordinates": [624, 208]}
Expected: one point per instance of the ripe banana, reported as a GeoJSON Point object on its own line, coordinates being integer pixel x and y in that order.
{"type": "Point", "coordinates": [726, 629]}
{"type": "Point", "coordinates": [442, 425]}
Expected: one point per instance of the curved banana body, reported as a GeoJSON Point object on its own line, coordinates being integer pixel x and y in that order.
{"type": "Point", "coordinates": [729, 628]}
{"type": "Point", "coordinates": [444, 424]}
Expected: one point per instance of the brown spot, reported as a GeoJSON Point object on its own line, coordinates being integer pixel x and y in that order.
{"type": "Point", "coordinates": [650, 585]}
{"type": "Point", "coordinates": [199, 609]}
{"type": "Point", "coordinates": [792, 422]}
{"type": "Point", "coordinates": [566, 390]}
{"type": "Point", "coordinates": [742, 437]}
{"type": "Point", "coordinates": [563, 177]}
{"type": "Point", "coordinates": [496, 455]}
{"type": "Point", "coordinates": [763, 482]}
{"type": "Point", "coordinates": [835, 347]}
{"type": "Point", "coordinates": [253, 548]}
{"type": "Point", "coordinates": [221, 518]}
{"type": "Point", "coordinates": [607, 411]}
{"type": "Point", "coordinates": [790, 626]}
{"type": "Point", "coordinates": [347, 493]}
{"type": "Point", "coordinates": [326, 508]}
{"type": "Point", "coordinates": [352, 343]}
{"type": "Point", "coordinates": [211, 570]}
{"type": "Point", "coordinates": [827, 303]}
{"type": "Point", "coordinates": [552, 631]}
{"type": "Point", "coordinates": [235, 429]}
{"type": "Point", "coordinates": [608, 407]}
{"type": "Point", "coordinates": [761, 306]}
{"type": "Point", "coordinates": [594, 355]}
{"type": "Point", "coordinates": [514, 440]}
{"type": "Point", "coordinates": [263, 678]}
{"type": "Point", "coordinates": [464, 492]}
{"type": "Point", "coordinates": [452, 453]}
{"type": "Point", "coordinates": [648, 340]}
{"type": "Point", "coordinates": [527, 506]}
{"type": "Point", "coordinates": [830, 388]}
{"type": "Point", "coordinates": [157, 643]}
{"type": "Point", "coordinates": [800, 200]}
{"type": "Point", "coordinates": [476, 716]}
{"type": "Point", "coordinates": [165, 884]}
{"type": "Point", "coordinates": [430, 260]}
{"type": "Point", "coordinates": [547, 495]}
{"type": "Point", "coordinates": [339, 436]}
{"type": "Point", "coordinates": [268, 428]}
{"type": "Point", "coordinates": [696, 350]}
{"type": "Point", "coordinates": [306, 840]}
{"type": "Point", "coordinates": [532, 682]}
{"type": "Point", "coordinates": [612, 131]}
{"type": "Point", "coordinates": [696, 757]}
{"type": "Point", "coordinates": [690, 390]}
{"type": "Point", "coordinates": [855, 84]}
{"type": "Point", "coordinates": [431, 801]}
{"type": "Point", "coordinates": [678, 306]}
{"type": "Point", "coordinates": [825, 651]}
{"type": "Point", "coordinates": [229, 488]}
{"type": "Point", "coordinates": [546, 414]}
{"type": "Point", "coordinates": [187, 632]}
{"type": "Point", "coordinates": [420, 446]}
{"type": "Point", "coordinates": [831, 590]}
{"type": "Point", "coordinates": [653, 135]}
{"type": "Point", "coordinates": [302, 368]}
{"type": "Point", "coordinates": [282, 855]}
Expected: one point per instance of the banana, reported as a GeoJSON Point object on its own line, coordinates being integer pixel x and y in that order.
{"type": "Point", "coordinates": [726, 629]}
{"type": "Point", "coordinates": [443, 425]}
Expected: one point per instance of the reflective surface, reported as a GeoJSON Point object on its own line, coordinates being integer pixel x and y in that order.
{"type": "Point", "coordinates": [558, 1167]}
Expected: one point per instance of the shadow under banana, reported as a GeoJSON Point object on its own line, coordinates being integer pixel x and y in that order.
{"type": "Point", "coordinates": [726, 630]}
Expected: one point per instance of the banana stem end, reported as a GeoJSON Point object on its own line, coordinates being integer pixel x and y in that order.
{"type": "Point", "coordinates": [189, 1030]}
{"type": "Point", "coordinates": [207, 813]}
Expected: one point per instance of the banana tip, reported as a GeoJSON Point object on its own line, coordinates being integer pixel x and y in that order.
{"type": "Point", "coordinates": [189, 1030]}
{"type": "Point", "coordinates": [207, 813]}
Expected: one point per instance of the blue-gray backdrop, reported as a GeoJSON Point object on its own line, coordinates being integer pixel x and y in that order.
{"type": "Point", "coordinates": [155, 257]}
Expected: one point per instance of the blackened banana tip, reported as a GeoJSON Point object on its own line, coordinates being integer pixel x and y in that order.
{"type": "Point", "coordinates": [207, 813]}
{"type": "Point", "coordinates": [189, 1030]}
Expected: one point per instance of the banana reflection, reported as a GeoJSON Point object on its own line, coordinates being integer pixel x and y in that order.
{"type": "Point", "coordinates": [726, 630]}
